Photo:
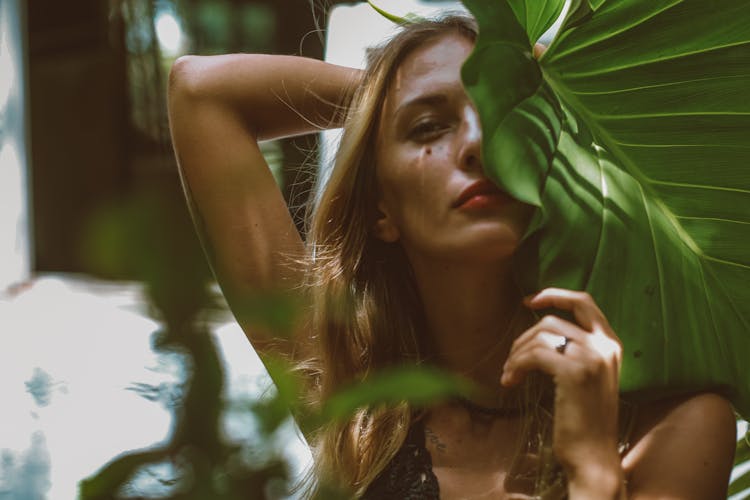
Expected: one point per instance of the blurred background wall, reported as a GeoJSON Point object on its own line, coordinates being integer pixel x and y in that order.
{"type": "Point", "coordinates": [97, 73]}
{"type": "Point", "coordinates": [15, 244]}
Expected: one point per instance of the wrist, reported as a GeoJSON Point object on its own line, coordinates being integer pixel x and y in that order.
{"type": "Point", "coordinates": [597, 480]}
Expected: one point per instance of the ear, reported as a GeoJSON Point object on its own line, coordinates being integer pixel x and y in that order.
{"type": "Point", "coordinates": [385, 229]}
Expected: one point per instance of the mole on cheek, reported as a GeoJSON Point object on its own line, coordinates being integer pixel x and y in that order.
{"type": "Point", "coordinates": [428, 151]}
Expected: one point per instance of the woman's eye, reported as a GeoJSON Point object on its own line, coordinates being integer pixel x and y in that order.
{"type": "Point", "coordinates": [426, 130]}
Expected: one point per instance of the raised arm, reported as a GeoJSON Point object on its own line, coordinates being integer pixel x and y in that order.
{"type": "Point", "coordinates": [220, 107]}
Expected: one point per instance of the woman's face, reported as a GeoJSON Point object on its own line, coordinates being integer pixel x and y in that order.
{"type": "Point", "coordinates": [434, 197]}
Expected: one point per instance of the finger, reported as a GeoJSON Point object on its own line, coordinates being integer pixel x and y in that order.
{"type": "Point", "coordinates": [537, 356]}
{"type": "Point", "coordinates": [559, 343]}
{"type": "Point", "coordinates": [588, 349]}
{"type": "Point", "coordinates": [606, 347]}
{"type": "Point", "coordinates": [578, 363]}
{"type": "Point", "coordinates": [552, 324]}
{"type": "Point", "coordinates": [515, 366]}
{"type": "Point", "coordinates": [583, 307]}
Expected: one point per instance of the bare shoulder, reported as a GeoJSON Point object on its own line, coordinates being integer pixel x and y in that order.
{"type": "Point", "coordinates": [682, 448]}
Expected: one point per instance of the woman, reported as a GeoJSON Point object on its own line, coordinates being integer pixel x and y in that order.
{"type": "Point", "coordinates": [407, 261]}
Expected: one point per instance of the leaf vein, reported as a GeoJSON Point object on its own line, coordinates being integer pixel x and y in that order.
{"type": "Point", "coordinates": [698, 186]}
{"type": "Point", "coordinates": [712, 219]}
{"type": "Point", "coordinates": [726, 262]}
{"type": "Point", "coordinates": [659, 272]}
{"type": "Point", "coordinates": [715, 330]}
{"type": "Point", "coordinates": [636, 145]}
{"type": "Point", "coordinates": [603, 190]}
{"type": "Point", "coordinates": [661, 85]}
{"type": "Point", "coordinates": [614, 33]}
{"type": "Point", "coordinates": [640, 63]}
{"type": "Point", "coordinates": [669, 115]}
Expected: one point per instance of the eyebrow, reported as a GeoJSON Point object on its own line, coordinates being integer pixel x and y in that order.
{"type": "Point", "coordinates": [423, 100]}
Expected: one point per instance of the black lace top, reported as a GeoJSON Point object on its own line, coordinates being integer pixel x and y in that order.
{"type": "Point", "coordinates": [409, 475]}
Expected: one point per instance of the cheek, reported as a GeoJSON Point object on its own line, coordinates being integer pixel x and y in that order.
{"type": "Point", "coordinates": [412, 185]}
{"type": "Point", "coordinates": [421, 195]}
{"type": "Point", "coordinates": [403, 199]}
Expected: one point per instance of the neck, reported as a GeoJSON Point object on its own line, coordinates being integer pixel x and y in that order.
{"type": "Point", "coordinates": [473, 313]}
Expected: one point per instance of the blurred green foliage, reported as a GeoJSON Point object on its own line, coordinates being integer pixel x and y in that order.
{"type": "Point", "coordinates": [418, 385]}
{"type": "Point", "coordinates": [221, 25]}
{"type": "Point", "coordinates": [150, 236]}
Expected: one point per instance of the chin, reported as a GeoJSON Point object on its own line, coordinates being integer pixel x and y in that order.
{"type": "Point", "coordinates": [490, 245]}
{"type": "Point", "coordinates": [485, 242]}
{"type": "Point", "coordinates": [494, 253]}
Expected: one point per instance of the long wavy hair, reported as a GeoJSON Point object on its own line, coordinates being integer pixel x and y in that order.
{"type": "Point", "coordinates": [367, 314]}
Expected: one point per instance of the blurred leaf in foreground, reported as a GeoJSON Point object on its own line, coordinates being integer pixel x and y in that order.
{"type": "Point", "coordinates": [417, 385]}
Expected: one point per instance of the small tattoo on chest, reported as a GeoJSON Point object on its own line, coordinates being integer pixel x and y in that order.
{"type": "Point", "coordinates": [435, 440]}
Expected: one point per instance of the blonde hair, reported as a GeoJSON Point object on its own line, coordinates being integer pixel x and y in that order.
{"type": "Point", "coordinates": [367, 314]}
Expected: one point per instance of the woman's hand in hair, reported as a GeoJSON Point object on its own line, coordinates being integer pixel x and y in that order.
{"type": "Point", "coordinates": [585, 369]}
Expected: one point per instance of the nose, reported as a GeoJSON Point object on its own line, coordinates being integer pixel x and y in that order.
{"type": "Point", "coordinates": [470, 156]}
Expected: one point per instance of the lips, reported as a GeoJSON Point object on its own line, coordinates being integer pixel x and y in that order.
{"type": "Point", "coordinates": [479, 188]}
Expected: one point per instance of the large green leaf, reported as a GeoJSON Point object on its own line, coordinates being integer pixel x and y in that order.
{"type": "Point", "coordinates": [632, 137]}
{"type": "Point", "coordinates": [536, 17]}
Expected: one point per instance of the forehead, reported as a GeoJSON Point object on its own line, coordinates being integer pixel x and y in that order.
{"type": "Point", "coordinates": [433, 67]}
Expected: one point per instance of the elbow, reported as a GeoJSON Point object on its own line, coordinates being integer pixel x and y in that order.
{"type": "Point", "coordinates": [204, 82]}
{"type": "Point", "coordinates": [184, 81]}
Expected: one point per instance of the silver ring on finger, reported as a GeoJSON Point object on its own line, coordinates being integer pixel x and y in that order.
{"type": "Point", "coordinates": [562, 344]}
